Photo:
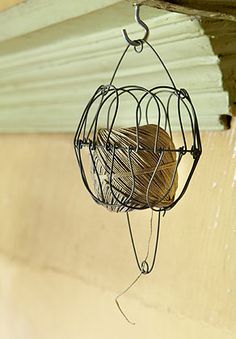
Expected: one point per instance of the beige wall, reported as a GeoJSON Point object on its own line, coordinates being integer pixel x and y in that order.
{"type": "Point", "coordinates": [64, 259]}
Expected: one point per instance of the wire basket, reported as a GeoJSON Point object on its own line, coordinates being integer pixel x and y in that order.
{"type": "Point", "coordinates": [113, 134]}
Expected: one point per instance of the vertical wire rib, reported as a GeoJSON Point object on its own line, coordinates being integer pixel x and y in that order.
{"type": "Point", "coordinates": [144, 267]}
{"type": "Point", "coordinates": [140, 264]}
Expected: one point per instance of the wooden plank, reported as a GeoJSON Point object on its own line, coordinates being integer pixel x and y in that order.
{"type": "Point", "coordinates": [213, 11]}
{"type": "Point", "coordinates": [36, 14]}
{"type": "Point", "coordinates": [222, 35]}
{"type": "Point", "coordinates": [46, 88]}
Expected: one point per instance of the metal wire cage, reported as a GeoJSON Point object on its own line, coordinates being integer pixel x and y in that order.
{"type": "Point", "coordinates": [164, 106]}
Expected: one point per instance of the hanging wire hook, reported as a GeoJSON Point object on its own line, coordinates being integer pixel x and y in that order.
{"type": "Point", "coordinates": [140, 22]}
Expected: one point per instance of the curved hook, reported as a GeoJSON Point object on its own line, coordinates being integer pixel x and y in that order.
{"type": "Point", "coordinates": [140, 22]}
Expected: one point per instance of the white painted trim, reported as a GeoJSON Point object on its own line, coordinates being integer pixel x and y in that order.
{"type": "Point", "coordinates": [33, 15]}
{"type": "Point", "coordinates": [46, 88]}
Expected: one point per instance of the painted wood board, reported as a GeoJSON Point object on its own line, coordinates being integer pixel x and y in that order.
{"type": "Point", "coordinates": [47, 76]}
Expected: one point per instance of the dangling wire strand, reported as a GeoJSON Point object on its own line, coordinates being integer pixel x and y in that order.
{"type": "Point", "coordinates": [122, 293]}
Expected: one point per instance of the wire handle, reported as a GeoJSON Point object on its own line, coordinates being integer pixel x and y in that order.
{"type": "Point", "coordinates": [141, 23]}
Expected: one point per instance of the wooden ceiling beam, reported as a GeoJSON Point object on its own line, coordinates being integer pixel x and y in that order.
{"type": "Point", "coordinates": [221, 10]}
